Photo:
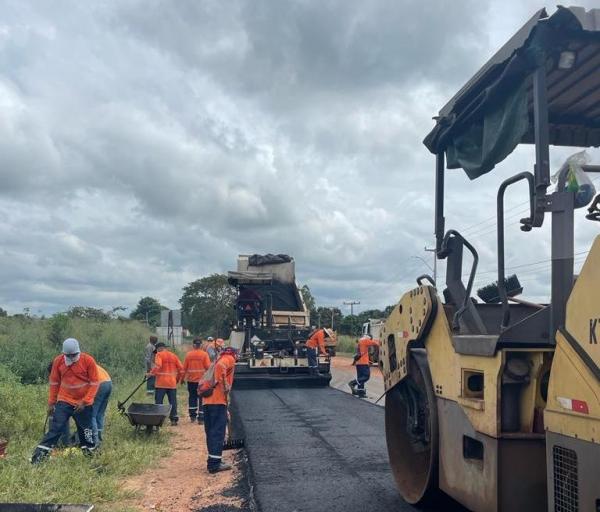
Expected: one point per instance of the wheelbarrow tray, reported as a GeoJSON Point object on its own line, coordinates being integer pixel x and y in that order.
{"type": "Point", "coordinates": [149, 415]}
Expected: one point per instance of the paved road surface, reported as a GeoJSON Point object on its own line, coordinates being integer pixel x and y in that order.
{"type": "Point", "coordinates": [316, 450]}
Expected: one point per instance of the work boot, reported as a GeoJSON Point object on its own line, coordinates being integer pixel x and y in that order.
{"type": "Point", "coordinates": [88, 451]}
{"type": "Point", "coordinates": [221, 467]}
{"type": "Point", "coordinates": [352, 385]}
{"type": "Point", "coordinates": [200, 420]}
{"type": "Point", "coordinates": [361, 393]}
{"type": "Point", "coordinates": [174, 423]}
{"type": "Point", "coordinates": [39, 455]}
{"type": "Point", "coordinates": [193, 419]}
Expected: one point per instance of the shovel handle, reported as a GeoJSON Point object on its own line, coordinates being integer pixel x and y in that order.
{"type": "Point", "coordinates": [121, 405]}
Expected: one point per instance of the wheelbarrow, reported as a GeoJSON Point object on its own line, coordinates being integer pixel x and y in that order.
{"type": "Point", "coordinates": [151, 416]}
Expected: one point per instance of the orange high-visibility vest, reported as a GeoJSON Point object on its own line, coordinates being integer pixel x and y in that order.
{"type": "Point", "coordinates": [224, 370]}
{"type": "Point", "coordinates": [196, 362]}
{"type": "Point", "coordinates": [73, 384]}
{"type": "Point", "coordinates": [167, 369]}
{"type": "Point", "coordinates": [363, 350]}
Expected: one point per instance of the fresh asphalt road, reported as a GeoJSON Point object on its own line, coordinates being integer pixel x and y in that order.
{"type": "Point", "coordinates": [314, 450]}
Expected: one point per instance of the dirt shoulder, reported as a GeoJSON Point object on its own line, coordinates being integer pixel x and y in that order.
{"type": "Point", "coordinates": [180, 482]}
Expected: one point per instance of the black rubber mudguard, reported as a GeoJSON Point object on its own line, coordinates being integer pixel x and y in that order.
{"type": "Point", "coordinates": [246, 380]}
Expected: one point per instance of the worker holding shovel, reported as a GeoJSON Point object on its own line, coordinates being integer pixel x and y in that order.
{"type": "Point", "coordinates": [73, 386]}
{"type": "Point", "coordinates": [363, 371]}
{"type": "Point", "coordinates": [168, 371]}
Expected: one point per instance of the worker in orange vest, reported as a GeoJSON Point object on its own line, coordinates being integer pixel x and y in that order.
{"type": "Point", "coordinates": [314, 345]}
{"type": "Point", "coordinates": [73, 385]}
{"type": "Point", "coordinates": [168, 371]}
{"type": "Point", "coordinates": [196, 362]}
{"type": "Point", "coordinates": [100, 403]}
{"type": "Point", "coordinates": [215, 409]}
{"type": "Point", "coordinates": [363, 371]}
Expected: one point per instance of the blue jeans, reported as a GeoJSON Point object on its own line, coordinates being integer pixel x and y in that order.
{"type": "Point", "coordinates": [311, 354]}
{"type": "Point", "coordinates": [62, 413]}
{"type": "Point", "coordinates": [99, 408]}
{"type": "Point", "coordinates": [215, 423]}
{"type": "Point", "coordinates": [159, 396]}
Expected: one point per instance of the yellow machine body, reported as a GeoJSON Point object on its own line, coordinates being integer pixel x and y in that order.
{"type": "Point", "coordinates": [503, 443]}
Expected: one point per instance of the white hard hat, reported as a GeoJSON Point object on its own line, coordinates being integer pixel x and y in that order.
{"type": "Point", "coordinates": [70, 346]}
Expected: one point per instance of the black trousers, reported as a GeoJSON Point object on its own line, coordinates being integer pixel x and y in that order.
{"type": "Point", "coordinates": [159, 395]}
{"type": "Point", "coordinates": [215, 423]}
{"type": "Point", "coordinates": [194, 401]}
{"type": "Point", "coordinates": [63, 412]}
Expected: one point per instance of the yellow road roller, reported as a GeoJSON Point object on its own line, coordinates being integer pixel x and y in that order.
{"type": "Point", "coordinates": [493, 400]}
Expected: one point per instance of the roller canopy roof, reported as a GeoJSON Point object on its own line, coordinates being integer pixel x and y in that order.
{"type": "Point", "coordinates": [493, 113]}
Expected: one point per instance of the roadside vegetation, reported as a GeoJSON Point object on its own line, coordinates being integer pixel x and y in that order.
{"type": "Point", "coordinates": [346, 344]}
{"type": "Point", "coordinates": [27, 346]}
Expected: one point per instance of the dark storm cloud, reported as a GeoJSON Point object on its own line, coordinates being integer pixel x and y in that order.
{"type": "Point", "coordinates": [145, 144]}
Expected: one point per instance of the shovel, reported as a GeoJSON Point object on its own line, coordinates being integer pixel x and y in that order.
{"type": "Point", "coordinates": [121, 405]}
{"type": "Point", "coordinates": [231, 443]}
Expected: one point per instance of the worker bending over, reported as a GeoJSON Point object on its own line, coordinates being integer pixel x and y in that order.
{"type": "Point", "coordinates": [363, 371]}
{"type": "Point", "coordinates": [215, 410]}
{"type": "Point", "coordinates": [196, 362]}
{"type": "Point", "coordinates": [315, 345]}
{"type": "Point", "coordinates": [73, 385]}
{"type": "Point", "coordinates": [168, 371]}
{"type": "Point", "coordinates": [100, 403]}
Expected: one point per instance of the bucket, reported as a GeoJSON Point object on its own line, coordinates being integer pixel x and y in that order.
{"type": "Point", "coordinates": [3, 444]}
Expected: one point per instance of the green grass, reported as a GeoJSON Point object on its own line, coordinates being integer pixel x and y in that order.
{"type": "Point", "coordinates": [346, 344]}
{"type": "Point", "coordinates": [70, 478]}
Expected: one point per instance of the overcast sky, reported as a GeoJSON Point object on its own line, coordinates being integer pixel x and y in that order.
{"type": "Point", "coordinates": [144, 144]}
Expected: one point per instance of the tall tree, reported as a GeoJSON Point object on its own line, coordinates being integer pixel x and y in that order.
{"type": "Point", "coordinates": [208, 304]}
{"type": "Point", "coordinates": [309, 300]}
{"type": "Point", "coordinates": [148, 309]}
{"type": "Point", "coordinates": [326, 315]}
{"type": "Point", "coordinates": [3, 312]}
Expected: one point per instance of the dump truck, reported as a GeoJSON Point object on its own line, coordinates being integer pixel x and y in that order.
{"type": "Point", "coordinates": [272, 324]}
{"type": "Point", "coordinates": [494, 402]}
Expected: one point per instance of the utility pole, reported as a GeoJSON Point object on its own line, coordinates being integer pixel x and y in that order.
{"type": "Point", "coordinates": [434, 263]}
{"type": "Point", "coordinates": [351, 303]}
{"type": "Point", "coordinates": [332, 318]}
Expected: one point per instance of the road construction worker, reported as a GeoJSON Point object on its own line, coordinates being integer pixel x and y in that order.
{"type": "Point", "coordinates": [73, 385]}
{"type": "Point", "coordinates": [100, 403]}
{"type": "Point", "coordinates": [168, 371]}
{"type": "Point", "coordinates": [149, 354]}
{"type": "Point", "coordinates": [214, 347]}
{"type": "Point", "coordinates": [315, 345]}
{"type": "Point", "coordinates": [363, 370]}
{"type": "Point", "coordinates": [215, 409]}
{"type": "Point", "coordinates": [196, 362]}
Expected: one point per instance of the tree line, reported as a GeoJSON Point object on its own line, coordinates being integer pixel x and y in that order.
{"type": "Point", "coordinates": [207, 307]}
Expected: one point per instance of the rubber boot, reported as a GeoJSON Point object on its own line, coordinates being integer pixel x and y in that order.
{"type": "Point", "coordinates": [39, 455]}
{"type": "Point", "coordinates": [221, 467]}
{"type": "Point", "coordinates": [352, 385]}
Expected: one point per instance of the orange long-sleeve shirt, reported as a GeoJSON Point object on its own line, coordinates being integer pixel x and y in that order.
{"type": "Point", "coordinates": [73, 384]}
{"type": "Point", "coordinates": [196, 362]}
{"type": "Point", "coordinates": [317, 340]}
{"type": "Point", "coordinates": [224, 370]}
{"type": "Point", "coordinates": [167, 369]}
{"type": "Point", "coordinates": [363, 349]}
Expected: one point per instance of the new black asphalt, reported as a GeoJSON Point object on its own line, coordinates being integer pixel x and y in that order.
{"type": "Point", "coordinates": [313, 450]}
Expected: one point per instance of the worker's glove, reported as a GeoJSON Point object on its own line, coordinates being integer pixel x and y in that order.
{"type": "Point", "coordinates": [79, 407]}
{"type": "Point", "coordinates": [50, 410]}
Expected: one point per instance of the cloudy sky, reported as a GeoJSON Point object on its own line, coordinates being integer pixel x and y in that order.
{"type": "Point", "coordinates": [144, 144]}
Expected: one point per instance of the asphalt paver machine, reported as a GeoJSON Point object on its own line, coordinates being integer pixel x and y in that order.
{"type": "Point", "coordinates": [498, 404]}
{"type": "Point", "coordinates": [272, 325]}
